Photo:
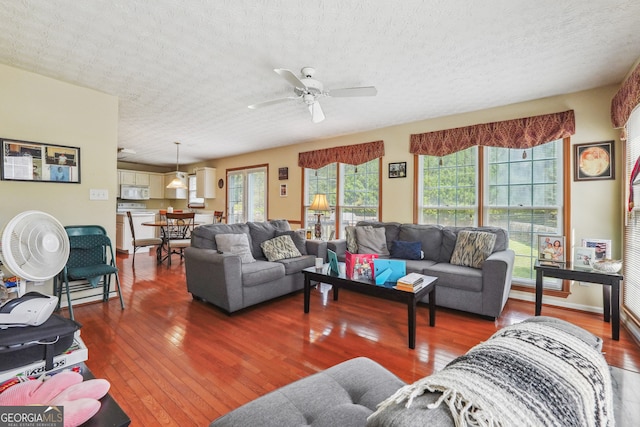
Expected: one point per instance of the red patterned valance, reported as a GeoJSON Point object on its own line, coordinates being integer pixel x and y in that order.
{"type": "Point", "coordinates": [518, 133]}
{"type": "Point", "coordinates": [349, 154]}
{"type": "Point", "coordinates": [626, 99]}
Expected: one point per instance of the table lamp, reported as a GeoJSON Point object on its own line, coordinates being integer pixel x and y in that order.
{"type": "Point", "coordinates": [321, 204]}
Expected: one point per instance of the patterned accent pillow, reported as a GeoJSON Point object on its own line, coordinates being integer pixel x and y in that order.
{"type": "Point", "coordinates": [350, 236]}
{"type": "Point", "coordinates": [473, 248]}
{"type": "Point", "coordinates": [298, 237]}
{"type": "Point", "coordinates": [237, 244]}
{"type": "Point", "coordinates": [281, 247]}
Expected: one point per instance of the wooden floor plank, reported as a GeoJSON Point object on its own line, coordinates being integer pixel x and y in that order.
{"type": "Point", "coordinates": [175, 361]}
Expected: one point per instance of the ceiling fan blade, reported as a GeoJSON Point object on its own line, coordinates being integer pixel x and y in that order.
{"type": "Point", "coordinates": [354, 91]}
{"type": "Point", "coordinates": [272, 102]}
{"type": "Point", "coordinates": [290, 77]}
{"type": "Point", "coordinates": [317, 115]}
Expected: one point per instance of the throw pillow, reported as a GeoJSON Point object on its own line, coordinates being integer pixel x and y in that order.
{"type": "Point", "coordinates": [281, 247]}
{"type": "Point", "coordinates": [473, 248]}
{"type": "Point", "coordinates": [237, 244]}
{"type": "Point", "coordinates": [350, 237]}
{"type": "Point", "coordinates": [372, 240]}
{"type": "Point", "coordinates": [406, 250]}
{"type": "Point", "coordinates": [298, 238]}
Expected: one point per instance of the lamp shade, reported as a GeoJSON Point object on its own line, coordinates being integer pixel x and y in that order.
{"type": "Point", "coordinates": [319, 203]}
{"type": "Point", "coordinates": [177, 183]}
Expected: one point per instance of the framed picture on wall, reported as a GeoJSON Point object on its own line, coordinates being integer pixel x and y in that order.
{"type": "Point", "coordinates": [35, 161]}
{"type": "Point", "coordinates": [593, 161]}
{"type": "Point", "coordinates": [398, 170]}
{"type": "Point", "coordinates": [283, 173]}
{"type": "Point", "coordinates": [283, 190]}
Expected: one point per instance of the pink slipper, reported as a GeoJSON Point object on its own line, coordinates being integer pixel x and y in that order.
{"type": "Point", "coordinates": [78, 411]}
{"type": "Point", "coordinates": [94, 389]}
{"type": "Point", "coordinates": [39, 391]}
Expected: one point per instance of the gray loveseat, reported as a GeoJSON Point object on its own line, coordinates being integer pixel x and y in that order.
{"type": "Point", "coordinates": [482, 291]}
{"type": "Point", "coordinates": [223, 279]}
{"type": "Point", "coordinates": [543, 371]}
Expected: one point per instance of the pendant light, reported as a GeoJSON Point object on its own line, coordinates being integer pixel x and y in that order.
{"type": "Point", "coordinates": [177, 183]}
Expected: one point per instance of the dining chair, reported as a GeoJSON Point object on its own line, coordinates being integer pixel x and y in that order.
{"type": "Point", "coordinates": [143, 243]}
{"type": "Point", "coordinates": [178, 233]}
{"type": "Point", "coordinates": [91, 261]}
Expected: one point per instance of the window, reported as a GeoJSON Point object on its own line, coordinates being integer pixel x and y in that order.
{"type": "Point", "coordinates": [448, 189]}
{"type": "Point", "coordinates": [524, 196]}
{"type": "Point", "coordinates": [353, 193]}
{"type": "Point", "coordinates": [631, 292]}
{"type": "Point", "coordinates": [194, 202]}
{"type": "Point", "coordinates": [522, 193]}
{"type": "Point", "coordinates": [247, 190]}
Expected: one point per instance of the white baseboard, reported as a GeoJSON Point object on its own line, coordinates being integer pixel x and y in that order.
{"type": "Point", "coordinates": [528, 296]}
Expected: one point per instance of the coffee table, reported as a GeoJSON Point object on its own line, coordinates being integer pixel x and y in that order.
{"type": "Point", "coordinates": [369, 287]}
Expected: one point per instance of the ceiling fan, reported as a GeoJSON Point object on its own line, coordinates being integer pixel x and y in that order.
{"type": "Point", "coordinates": [308, 90]}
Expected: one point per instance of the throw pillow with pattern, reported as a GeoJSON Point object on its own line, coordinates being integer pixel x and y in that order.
{"type": "Point", "coordinates": [281, 247]}
{"type": "Point", "coordinates": [473, 248]}
{"type": "Point", "coordinates": [350, 237]}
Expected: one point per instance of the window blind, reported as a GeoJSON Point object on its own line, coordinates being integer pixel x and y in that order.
{"type": "Point", "coordinates": [631, 291]}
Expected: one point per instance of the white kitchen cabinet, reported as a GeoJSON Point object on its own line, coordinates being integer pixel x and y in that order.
{"type": "Point", "coordinates": [206, 183]}
{"type": "Point", "coordinates": [128, 177]}
{"type": "Point", "coordinates": [175, 193]}
{"type": "Point", "coordinates": [156, 186]}
{"type": "Point", "coordinates": [123, 231]}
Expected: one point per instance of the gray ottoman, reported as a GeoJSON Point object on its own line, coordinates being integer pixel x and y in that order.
{"type": "Point", "coordinates": [343, 395]}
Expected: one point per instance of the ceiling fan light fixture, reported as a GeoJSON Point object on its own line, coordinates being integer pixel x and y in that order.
{"type": "Point", "coordinates": [177, 183]}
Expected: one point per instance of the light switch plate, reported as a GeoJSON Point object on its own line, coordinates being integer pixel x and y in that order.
{"type": "Point", "coordinates": [98, 194]}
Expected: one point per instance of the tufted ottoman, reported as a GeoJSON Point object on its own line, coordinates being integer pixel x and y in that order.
{"type": "Point", "coordinates": [343, 395]}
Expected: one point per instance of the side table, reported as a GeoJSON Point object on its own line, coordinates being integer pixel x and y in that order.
{"type": "Point", "coordinates": [610, 289]}
{"type": "Point", "coordinates": [110, 413]}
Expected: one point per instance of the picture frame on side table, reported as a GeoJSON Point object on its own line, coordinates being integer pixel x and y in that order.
{"type": "Point", "coordinates": [551, 248]}
{"type": "Point", "coordinates": [593, 161]}
{"type": "Point", "coordinates": [602, 247]}
{"type": "Point", "coordinates": [583, 257]}
{"type": "Point", "coordinates": [398, 170]}
{"type": "Point", "coordinates": [35, 161]}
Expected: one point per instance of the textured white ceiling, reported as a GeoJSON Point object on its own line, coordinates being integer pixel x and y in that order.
{"type": "Point", "coordinates": [187, 70]}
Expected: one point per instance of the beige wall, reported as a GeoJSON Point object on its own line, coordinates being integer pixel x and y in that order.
{"type": "Point", "coordinates": [596, 205]}
{"type": "Point", "coordinates": [41, 109]}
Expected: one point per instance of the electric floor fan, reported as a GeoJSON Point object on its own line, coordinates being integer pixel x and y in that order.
{"type": "Point", "coordinates": [34, 246]}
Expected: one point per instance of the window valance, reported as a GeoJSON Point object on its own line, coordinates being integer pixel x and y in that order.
{"type": "Point", "coordinates": [523, 133]}
{"type": "Point", "coordinates": [626, 99]}
{"type": "Point", "coordinates": [349, 154]}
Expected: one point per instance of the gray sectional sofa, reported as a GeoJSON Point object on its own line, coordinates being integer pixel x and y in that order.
{"type": "Point", "coordinates": [482, 291]}
{"type": "Point", "coordinates": [238, 276]}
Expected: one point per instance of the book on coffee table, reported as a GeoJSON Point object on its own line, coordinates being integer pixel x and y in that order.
{"type": "Point", "coordinates": [411, 279]}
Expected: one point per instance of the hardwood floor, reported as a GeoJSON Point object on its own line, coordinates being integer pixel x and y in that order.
{"type": "Point", "coordinates": [173, 361]}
